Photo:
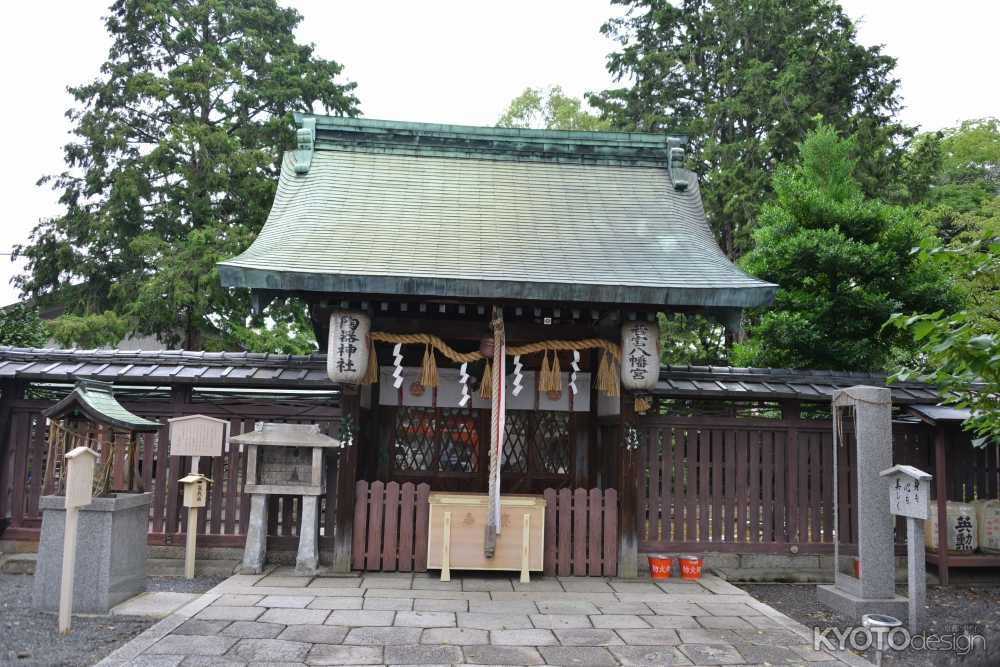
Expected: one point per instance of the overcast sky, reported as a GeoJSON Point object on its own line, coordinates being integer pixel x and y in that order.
{"type": "Point", "coordinates": [455, 61]}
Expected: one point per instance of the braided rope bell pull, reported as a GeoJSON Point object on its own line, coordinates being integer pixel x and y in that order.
{"type": "Point", "coordinates": [498, 395]}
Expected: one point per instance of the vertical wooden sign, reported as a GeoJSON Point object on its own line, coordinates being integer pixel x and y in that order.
{"type": "Point", "coordinates": [79, 493]}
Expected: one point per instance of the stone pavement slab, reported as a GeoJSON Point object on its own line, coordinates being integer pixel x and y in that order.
{"type": "Point", "coordinates": [253, 630]}
{"type": "Point", "coordinates": [441, 605]}
{"type": "Point", "coordinates": [649, 656]}
{"type": "Point", "coordinates": [587, 637]}
{"type": "Point", "coordinates": [229, 600]}
{"type": "Point", "coordinates": [712, 654]}
{"type": "Point", "coordinates": [455, 636]}
{"type": "Point", "coordinates": [192, 645]}
{"type": "Point", "coordinates": [494, 621]}
{"type": "Point", "coordinates": [362, 617]}
{"type": "Point", "coordinates": [503, 655]}
{"type": "Point", "coordinates": [295, 616]}
{"type": "Point", "coordinates": [328, 654]}
{"type": "Point", "coordinates": [618, 621]}
{"type": "Point", "coordinates": [566, 607]}
{"type": "Point", "coordinates": [425, 619]}
{"type": "Point", "coordinates": [336, 603]}
{"type": "Point", "coordinates": [159, 604]}
{"type": "Point", "coordinates": [221, 613]}
{"type": "Point", "coordinates": [286, 601]}
{"type": "Point", "coordinates": [649, 637]}
{"type": "Point", "coordinates": [522, 637]}
{"type": "Point", "coordinates": [578, 655]}
{"type": "Point", "coordinates": [422, 654]}
{"type": "Point", "coordinates": [196, 626]}
{"type": "Point", "coordinates": [270, 650]}
{"type": "Point", "coordinates": [552, 621]}
{"type": "Point", "coordinates": [383, 635]}
{"type": "Point", "coordinates": [390, 604]}
{"type": "Point", "coordinates": [317, 634]}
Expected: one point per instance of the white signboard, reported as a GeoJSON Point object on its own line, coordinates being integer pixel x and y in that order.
{"type": "Point", "coordinates": [909, 491]}
{"type": "Point", "coordinates": [347, 353]}
{"type": "Point", "coordinates": [80, 477]}
{"type": "Point", "coordinates": [197, 435]}
{"type": "Point", "coordinates": [640, 355]}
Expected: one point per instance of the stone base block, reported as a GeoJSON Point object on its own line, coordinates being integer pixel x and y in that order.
{"type": "Point", "coordinates": [855, 607]}
{"type": "Point", "coordinates": [110, 552]}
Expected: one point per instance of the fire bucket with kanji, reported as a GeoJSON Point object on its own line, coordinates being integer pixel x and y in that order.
{"type": "Point", "coordinates": [691, 567]}
{"type": "Point", "coordinates": [660, 566]}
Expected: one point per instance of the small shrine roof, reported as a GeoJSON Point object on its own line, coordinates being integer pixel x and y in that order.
{"type": "Point", "coordinates": [388, 208]}
{"type": "Point", "coordinates": [97, 402]}
{"type": "Point", "coordinates": [287, 435]}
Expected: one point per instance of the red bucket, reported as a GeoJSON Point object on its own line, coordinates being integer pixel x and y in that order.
{"type": "Point", "coordinates": [660, 566]}
{"type": "Point", "coordinates": [691, 567]}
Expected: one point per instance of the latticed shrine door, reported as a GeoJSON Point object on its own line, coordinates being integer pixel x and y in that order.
{"type": "Point", "coordinates": [449, 448]}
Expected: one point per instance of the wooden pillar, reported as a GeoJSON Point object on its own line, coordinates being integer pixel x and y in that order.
{"type": "Point", "coordinates": [790, 414]}
{"type": "Point", "coordinates": [940, 480]}
{"type": "Point", "coordinates": [10, 391]}
{"type": "Point", "coordinates": [347, 465]}
{"type": "Point", "coordinates": [628, 492]}
{"type": "Point", "coordinates": [580, 430]}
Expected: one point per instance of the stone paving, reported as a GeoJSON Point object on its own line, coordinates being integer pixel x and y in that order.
{"type": "Point", "coordinates": [415, 619]}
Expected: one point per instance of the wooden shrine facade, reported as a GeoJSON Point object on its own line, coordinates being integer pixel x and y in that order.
{"type": "Point", "coordinates": [719, 448]}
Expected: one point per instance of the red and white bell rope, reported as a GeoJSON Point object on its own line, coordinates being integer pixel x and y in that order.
{"type": "Point", "coordinates": [498, 410]}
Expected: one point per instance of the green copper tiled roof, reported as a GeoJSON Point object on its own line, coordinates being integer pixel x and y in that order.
{"type": "Point", "coordinates": [97, 402]}
{"type": "Point", "coordinates": [427, 210]}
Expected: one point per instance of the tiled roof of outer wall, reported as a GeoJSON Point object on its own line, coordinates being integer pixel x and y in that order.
{"type": "Point", "coordinates": [399, 214]}
{"type": "Point", "coordinates": [213, 369]}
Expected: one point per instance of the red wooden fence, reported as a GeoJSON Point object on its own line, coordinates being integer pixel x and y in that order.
{"type": "Point", "coordinates": [581, 533]}
{"type": "Point", "coordinates": [390, 529]}
{"type": "Point", "coordinates": [749, 485]}
{"type": "Point", "coordinates": [223, 521]}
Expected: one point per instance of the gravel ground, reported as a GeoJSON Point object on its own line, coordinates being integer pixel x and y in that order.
{"type": "Point", "coordinates": [974, 606]}
{"type": "Point", "coordinates": [29, 637]}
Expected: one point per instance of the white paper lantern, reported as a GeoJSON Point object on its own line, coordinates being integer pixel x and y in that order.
{"type": "Point", "coordinates": [640, 368]}
{"type": "Point", "coordinates": [347, 353]}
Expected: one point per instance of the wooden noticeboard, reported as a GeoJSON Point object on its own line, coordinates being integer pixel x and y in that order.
{"type": "Point", "coordinates": [521, 517]}
{"type": "Point", "coordinates": [197, 435]}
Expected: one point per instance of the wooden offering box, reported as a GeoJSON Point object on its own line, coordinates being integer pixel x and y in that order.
{"type": "Point", "coordinates": [457, 530]}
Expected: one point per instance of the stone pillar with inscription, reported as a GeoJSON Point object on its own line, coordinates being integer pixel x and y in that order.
{"type": "Point", "coordinates": [867, 411]}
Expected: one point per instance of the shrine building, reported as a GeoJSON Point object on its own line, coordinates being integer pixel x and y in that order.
{"type": "Point", "coordinates": [419, 247]}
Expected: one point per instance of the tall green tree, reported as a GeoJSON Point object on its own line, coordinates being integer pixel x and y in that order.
{"type": "Point", "coordinates": [20, 326]}
{"type": "Point", "coordinates": [550, 109]}
{"type": "Point", "coordinates": [844, 264]}
{"type": "Point", "coordinates": [173, 165]}
{"type": "Point", "coordinates": [745, 80]}
{"type": "Point", "coordinates": [960, 351]}
{"type": "Point", "coordinates": [960, 183]}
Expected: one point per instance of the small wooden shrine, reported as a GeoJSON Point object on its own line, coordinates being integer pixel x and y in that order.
{"type": "Point", "coordinates": [91, 416]}
{"type": "Point", "coordinates": [487, 297]}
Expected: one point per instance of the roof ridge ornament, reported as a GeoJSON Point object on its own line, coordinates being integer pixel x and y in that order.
{"type": "Point", "coordinates": [675, 163]}
{"type": "Point", "coordinates": [305, 139]}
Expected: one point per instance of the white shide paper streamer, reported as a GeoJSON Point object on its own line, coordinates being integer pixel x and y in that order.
{"type": "Point", "coordinates": [518, 377]}
{"type": "Point", "coordinates": [397, 363]}
{"type": "Point", "coordinates": [576, 369]}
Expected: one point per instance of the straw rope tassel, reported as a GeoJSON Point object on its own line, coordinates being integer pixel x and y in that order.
{"type": "Point", "coordinates": [555, 373]}
{"type": "Point", "coordinates": [371, 375]}
{"type": "Point", "coordinates": [429, 372]}
{"type": "Point", "coordinates": [543, 373]}
{"type": "Point", "coordinates": [485, 385]}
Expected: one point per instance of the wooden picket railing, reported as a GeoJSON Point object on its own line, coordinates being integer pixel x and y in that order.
{"type": "Point", "coordinates": [390, 529]}
{"type": "Point", "coordinates": [223, 521]}
{"type": "Point", "coordinates": [581, 533]}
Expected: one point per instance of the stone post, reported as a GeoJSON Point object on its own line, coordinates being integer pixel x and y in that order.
{"type": "Point", "coordinates": [256, 546]}
{"type": "Point", "coordinates": [875, 590]}
{"type": "Point", "coordinates": [307, 558]}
